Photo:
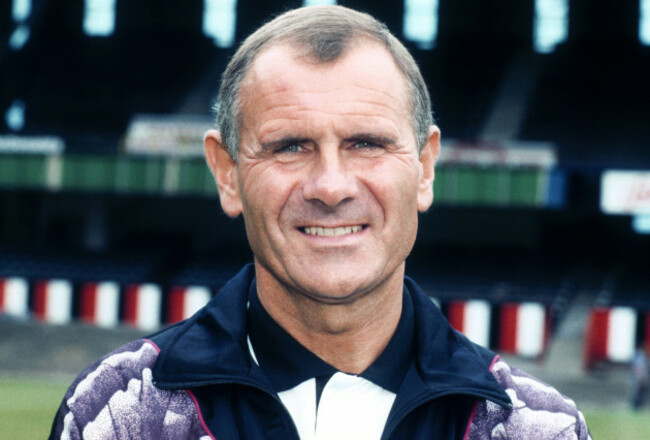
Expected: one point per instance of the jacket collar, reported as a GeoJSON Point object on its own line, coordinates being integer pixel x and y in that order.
{"type": "Point", "coordinates": [211, 347]}
{"type": "Point", "coordinates": [447, 361]}
{"type": "Point", "coordinates": [287, 363]}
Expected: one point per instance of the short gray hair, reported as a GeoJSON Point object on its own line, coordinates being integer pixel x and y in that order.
{"type": "Point", "coordinates": [323, 32]}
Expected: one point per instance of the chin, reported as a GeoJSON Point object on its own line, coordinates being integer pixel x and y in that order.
{"type": "Point", "coordinates": [343, 290]}
{"type": "Point", "coordinates": [341, 294]}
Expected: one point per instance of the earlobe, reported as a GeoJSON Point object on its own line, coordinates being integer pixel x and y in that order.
{"type": "Point", "coordinates": [225, 171]}
{"type": "Point", "coordinates": [428, 156]}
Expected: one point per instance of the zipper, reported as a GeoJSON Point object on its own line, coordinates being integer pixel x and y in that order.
{"type": "Point", "coordinates": [249, 384]}
{"type": "Point", "coordinates": [426, 399]}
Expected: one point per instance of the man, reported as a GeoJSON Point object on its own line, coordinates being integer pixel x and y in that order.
{"type": "Point", "coordinates": [327, 148]}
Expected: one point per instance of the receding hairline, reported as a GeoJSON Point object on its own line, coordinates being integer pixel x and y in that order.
{"type": "Point", "coordinates": [303, 55]}
{"type": "Point", "coordinates": [307, 26]}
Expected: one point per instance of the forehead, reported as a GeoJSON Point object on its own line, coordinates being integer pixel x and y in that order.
{"type": "Point", "coordinates": [364, 74]}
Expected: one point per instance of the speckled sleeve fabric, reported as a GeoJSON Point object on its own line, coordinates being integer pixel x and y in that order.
{"type": "Point", "coordinates": [116, 399]}
{"type": "Point", "coordinates": [539, 411]}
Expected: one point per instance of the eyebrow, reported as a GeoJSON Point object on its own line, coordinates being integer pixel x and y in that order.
{"type": "Point", "coordinates": [274, 145]}
{"type": "Point", "coordinates": [374, 138]}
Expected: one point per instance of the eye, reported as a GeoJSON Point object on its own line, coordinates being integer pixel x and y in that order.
{"type": "Point", "coordinates": [365, 145]}
{"type": "Point", "coordinates": [290, 148]}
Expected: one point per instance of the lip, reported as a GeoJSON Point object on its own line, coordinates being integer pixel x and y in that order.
{"type": "Point", "coordinates": [329, 232]}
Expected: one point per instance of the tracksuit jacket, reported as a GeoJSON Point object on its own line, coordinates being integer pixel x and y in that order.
{"type": "Point", "coordinates": [196, 380]}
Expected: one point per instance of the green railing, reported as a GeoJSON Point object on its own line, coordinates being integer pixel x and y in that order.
{"type": "Point", "coordinates": [491, 186]}
{"type": "Point", "coordinates": [119, 173]}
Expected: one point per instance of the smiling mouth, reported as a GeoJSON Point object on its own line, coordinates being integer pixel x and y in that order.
{"type": "Point", "coordinates": [331, 232]}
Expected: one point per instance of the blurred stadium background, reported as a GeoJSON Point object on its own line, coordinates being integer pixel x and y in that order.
{"type": "Point", "coordinates": [537, 245]}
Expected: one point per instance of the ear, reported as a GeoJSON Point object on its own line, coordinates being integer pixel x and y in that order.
{"type": "Point", "coordinates": [428, 156]}
{"type": "Point", "coordinates": [225, 172]}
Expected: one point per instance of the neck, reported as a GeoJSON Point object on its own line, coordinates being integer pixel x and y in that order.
{"type": "Point", "coordinates": [350, 335]}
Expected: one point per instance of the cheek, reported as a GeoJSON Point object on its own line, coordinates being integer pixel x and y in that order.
{"type": "Point", "coordinates": [266, 193]}
{"type": "Point", "coordinates": [397, 188]}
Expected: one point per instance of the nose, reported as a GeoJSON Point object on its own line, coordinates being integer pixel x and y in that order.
{"type": "Point", "coordinates": [331, 181]}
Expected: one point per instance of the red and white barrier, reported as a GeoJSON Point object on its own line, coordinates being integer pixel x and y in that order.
{"type": "Point", "coordinates": [472, 318]}
{"type": "Point", "coordinates": [523, 329]}
{"type": "Point", "coordinates": [14, 294]}
{"type": "Point", "coordinates": [186, 301]}
{"type": "Point", "coordinates": [621, 334]}
{"type": "Point", "coordinates": [611, 334]}
{"type": "Point", "coordinates": [53, 301]}
{"type": "Point", "coordinates": [142, 306]}
{"type": "Point", "coordinates": [100, 304]}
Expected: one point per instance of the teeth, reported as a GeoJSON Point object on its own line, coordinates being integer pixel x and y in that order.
{"type": "Point", "coordinates": [332, 232]}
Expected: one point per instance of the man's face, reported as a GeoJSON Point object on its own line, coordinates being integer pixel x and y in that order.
{"type": "Point", "coordinates": [329, 179]}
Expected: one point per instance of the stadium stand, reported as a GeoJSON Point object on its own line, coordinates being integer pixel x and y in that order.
{"type": "Point", "coordinates": [590, 96]}
{"type": "Point", "coordinates": [97, 226]}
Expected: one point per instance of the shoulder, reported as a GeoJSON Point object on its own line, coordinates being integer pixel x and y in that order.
{"type": "Point", "coordinates": [115, 398]}
{"type": "Point", "coordinates": [539, 411]}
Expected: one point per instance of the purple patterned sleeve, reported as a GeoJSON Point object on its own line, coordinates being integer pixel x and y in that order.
{"type": "Point", "coordinates": [539, 411]}
{"type": "Point", "coordinates": [116, 399]}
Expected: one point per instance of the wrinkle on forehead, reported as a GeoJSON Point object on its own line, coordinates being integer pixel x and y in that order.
{"type": "Point", "coordinates": [285, 93]}
{"type": "Point", "coordinates": [344, 127]}
{"type": "Point", "coordinates": [274, 75]}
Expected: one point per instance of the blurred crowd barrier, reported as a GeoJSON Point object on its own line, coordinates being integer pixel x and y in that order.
{"type": "Point", "coordinates": [521, 328]}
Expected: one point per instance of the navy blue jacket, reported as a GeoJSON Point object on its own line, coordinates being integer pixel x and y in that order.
{"type": "Point", "coordinates": [209, 354]}
{"type": "Point", "coordinates": [196, 381]}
